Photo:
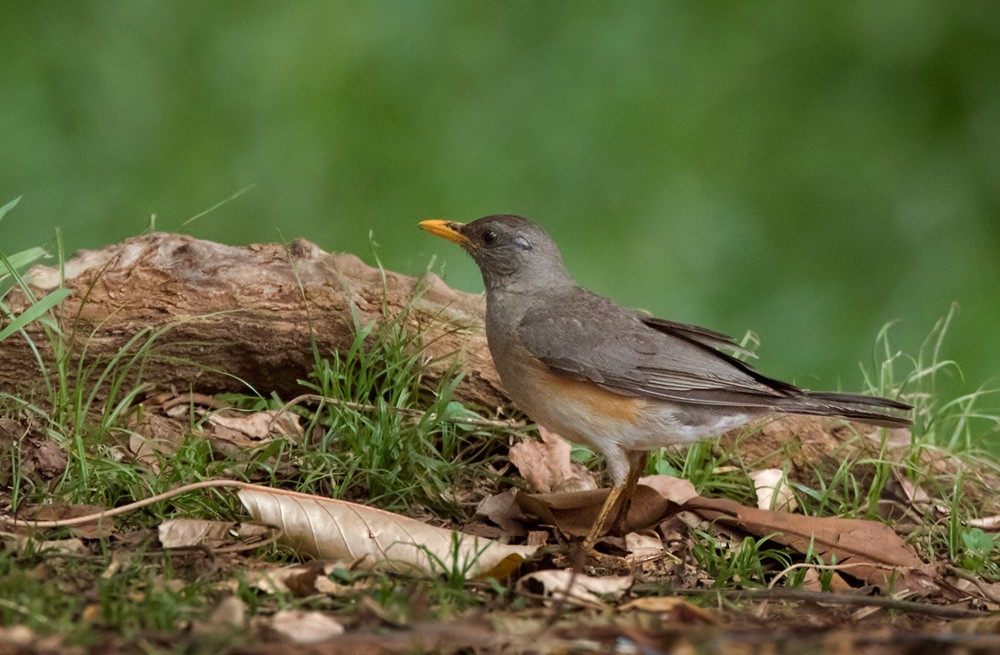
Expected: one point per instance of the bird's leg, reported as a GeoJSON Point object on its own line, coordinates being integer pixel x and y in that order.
{"type": "Point", "coordinates": [597, 530]}
{"type": "Point", "coordinates": [637, 463]}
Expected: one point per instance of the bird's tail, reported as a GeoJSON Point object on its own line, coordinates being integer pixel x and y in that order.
{"type": "Point", "coordinates": [868, 409]}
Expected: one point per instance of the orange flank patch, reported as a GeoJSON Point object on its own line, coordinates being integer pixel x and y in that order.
{"type": "Point", "coordinates": [594, 398]}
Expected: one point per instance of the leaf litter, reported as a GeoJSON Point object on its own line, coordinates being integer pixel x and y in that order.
{"type": "Point", "coordinates": [867, 554]}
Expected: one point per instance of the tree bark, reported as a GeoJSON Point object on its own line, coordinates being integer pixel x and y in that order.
{"type": "Point", "coordinates": [232, 318]}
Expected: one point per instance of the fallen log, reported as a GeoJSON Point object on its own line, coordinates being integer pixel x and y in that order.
{"type": "Point", "coordinates": [231, 318]}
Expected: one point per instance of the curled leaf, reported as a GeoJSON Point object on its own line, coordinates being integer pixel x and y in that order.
{"type": "Point", "coordinates": [369, 537]}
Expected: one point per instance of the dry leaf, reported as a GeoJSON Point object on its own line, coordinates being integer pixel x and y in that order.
{"type": "Point", "coordinates": [302, 580]}
{"type": "Point", "coordinates": [272, 581]}
{"type": "Point", "coordinates": [875, 554]}
{"type": "Point", "coordinates": [869, 546]}
{"type": "Point", "coordinates": [985, 523]}
{"type": "Point", "coordinates": [53, 548]}
{"type": "Point", "coordinates": [772, 490]}
{"type": "Point", "coordinates": [185, 533]}
{"type": "Point", "coordinates": [915, 495]}
{"type": "Point", "coordinates": [38, 456]}
{"type": "Point", "coordinates": [502, 510]}
{"type": "Point", "coordinates": [366, 536]}
{"type": "Point", "coordinates": [547, 467]}
{"type": "Point", "coordinates": [228, 615]}
{"type": "Point", "coordinates": [47, 459]}
{"type": "Point", "coordinates": [233, 433]}
{"type": "Point", "coordinates": [642, 547]}
{"type": "Point", "coordinates": [676, 490]}
{"type": "Point", "coordinates": [305, 627]}
{"type": "Point", "coordinates": [575, 512]}
{"type": "Point", "coordinates": [577, 588]}
{"type": "Point", "coordinates": [152, 435]}
{"type": "Point", "coordinates": [229, 612]}
{"type": "Point", "coordinates": [250, 429]}
{"type": "Point", "coordinates": [98, 529]}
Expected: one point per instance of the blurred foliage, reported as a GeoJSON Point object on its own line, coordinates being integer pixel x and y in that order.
{"type": "Point", "coordinates": [807, 171]}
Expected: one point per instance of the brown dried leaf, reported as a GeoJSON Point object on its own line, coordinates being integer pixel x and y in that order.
{"type": "Point", "coordinates": [10, 429]}
{"type": "Point", "coordinates": [642, 547]}
{"type": "Point", "coordinates": [577, 588]}
{"type": "Point", "coordinates": [302, 580]}
{"type": "Point", "coordinates": [813, 582]}
{"type": "Point", "coordinates": [153, 435]}
{"type": "Point", "coordinates": [98, 529]}
{"type": "Point", "coordinates": [185, 533]}
{"type": "Point", "coordinates": [502, 509]}
{"type": "Point", "coordinates": [52, 548]}
{"type": "Point", "coordinates": [869, 546]}
{"type": "Point", "coordinates": [676, 490]}
{"type": "Point", "coordinates": [306, 627]}
{"type": "Point", "coordinates": [228, 615]}
{"type": "Point", "coordinates": [985, 522]}
{"type": "Point", "coordinates": [367, 536]}
{"type": "Point", "coordinates": [250, 429]}
{"type": "Point", "coordinates": [38, 456]}
{"type": "Point", "coordinates": [575, 512]}
{"type": "Point", "coordinates": [16, 637]}
{"type": "Point", "coordinates": [48, 458]}
{"type": "Point", "coordinates": [546, 465]}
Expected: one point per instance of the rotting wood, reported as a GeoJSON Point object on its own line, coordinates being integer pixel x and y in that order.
{"type": "Point", "coordinates": [232, 317]}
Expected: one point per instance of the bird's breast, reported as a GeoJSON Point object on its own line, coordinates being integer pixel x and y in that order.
{"type": "Point", "coordinates": [582, 411]}
{"type": "Point", "coordinates": [578, 410]}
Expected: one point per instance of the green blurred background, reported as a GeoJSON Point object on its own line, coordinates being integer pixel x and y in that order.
{"type": "Point", "coordinates": [808, 171]}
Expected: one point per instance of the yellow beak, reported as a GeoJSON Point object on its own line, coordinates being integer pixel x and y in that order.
{"type": "Point", "coordinates": [446, 230]}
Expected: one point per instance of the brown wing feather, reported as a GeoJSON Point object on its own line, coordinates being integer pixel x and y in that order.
{"type": "Point", "coordinates": [696, 333]}
{"type": "Point", "coordinates": [585, 336]}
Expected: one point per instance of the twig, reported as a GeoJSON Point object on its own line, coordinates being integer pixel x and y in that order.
{"type": "Point", "coordinates": [831, 567]}
{"type": "Point", "coordinates": [965, 575]}
{"type": "Point", "coordinates": [195, 399]}
{"type": "Point", "coordinates": [854, 600]}
{"type": "Point", "coordinates": [91, 518]}
{"type": "Point", "coordinates": [762, 609]}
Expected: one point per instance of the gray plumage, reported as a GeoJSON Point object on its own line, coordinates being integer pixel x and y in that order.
{"type": "Point", "coordinates": [584, 336]}
{"type": "Point", "coordinates": [581, 365]}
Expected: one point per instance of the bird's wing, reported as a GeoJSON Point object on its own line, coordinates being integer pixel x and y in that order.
{"type": "Point", "coordinates": [584, 336]}
{"type": "Point", "coordinates": [696, 333]}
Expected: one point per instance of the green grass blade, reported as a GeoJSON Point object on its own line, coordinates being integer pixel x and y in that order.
{"type": "Point", "coordinates": [35, 311]}
{"type": "Point", "coordinates": [10, 205]}
{"type": "Point", "coordinates": [25, 258]}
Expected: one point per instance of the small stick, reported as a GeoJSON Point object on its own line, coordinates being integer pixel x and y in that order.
{"type": "Point", "coordinates": [856, 600]}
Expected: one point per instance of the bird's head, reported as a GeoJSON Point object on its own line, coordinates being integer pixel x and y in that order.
{"type": "Point", "coordinates": [513, 253]}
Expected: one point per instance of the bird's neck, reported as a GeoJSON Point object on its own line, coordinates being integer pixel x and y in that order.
{"type": "Point", "coordinates": [515, 291]}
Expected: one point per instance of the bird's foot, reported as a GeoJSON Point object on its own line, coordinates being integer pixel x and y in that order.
{"type": "Point", "coordinates": [581, 554]}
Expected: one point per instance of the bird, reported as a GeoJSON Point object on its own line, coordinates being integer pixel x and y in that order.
{"type": "Point", "coordinates": [625, 383]}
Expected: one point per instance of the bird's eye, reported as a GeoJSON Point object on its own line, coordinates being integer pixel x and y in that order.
{"type": "Point", "coordinates": [489, 237]}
